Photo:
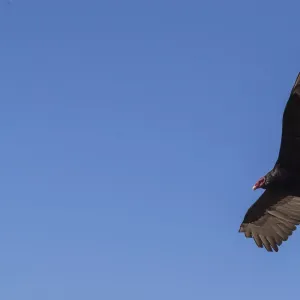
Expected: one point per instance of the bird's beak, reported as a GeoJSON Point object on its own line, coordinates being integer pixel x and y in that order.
{"type": "Point", "coordinates": [254, 187]}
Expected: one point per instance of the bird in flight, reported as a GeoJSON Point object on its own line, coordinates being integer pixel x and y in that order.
{"type": "Point", "coordinates": [276, 213]}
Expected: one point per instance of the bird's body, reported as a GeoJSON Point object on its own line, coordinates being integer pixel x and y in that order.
{"type": "Point", "coordinates": [274, 216]}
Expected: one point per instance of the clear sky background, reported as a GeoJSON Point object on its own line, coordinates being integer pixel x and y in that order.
{"type": "Point", "coordinates": [131, 135]}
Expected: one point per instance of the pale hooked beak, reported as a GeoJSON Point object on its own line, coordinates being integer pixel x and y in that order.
{"type": "Point", "coordinates": [254, 187]}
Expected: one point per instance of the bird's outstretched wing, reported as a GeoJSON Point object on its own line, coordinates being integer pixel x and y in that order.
{"type": "Point", "coordinates": [272, 218]}
{"type": "Point", "coordinates": [289, 153]}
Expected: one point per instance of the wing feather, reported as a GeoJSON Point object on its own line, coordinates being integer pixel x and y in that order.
{"type": "Point", "coordinates": [272, 218]}
{"type": "Point", "coordinates": [289, 157]}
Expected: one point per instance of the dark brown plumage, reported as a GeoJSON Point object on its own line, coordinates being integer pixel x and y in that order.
{"type": "Point", "coordinates": [274, 216]}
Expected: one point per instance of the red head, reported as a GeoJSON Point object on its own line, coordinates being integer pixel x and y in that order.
{"type": "Point", "coordinates": [259, 184]}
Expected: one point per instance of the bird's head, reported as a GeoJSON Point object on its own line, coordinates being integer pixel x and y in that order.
{"type": "Point", "coordinates": [260, 184]}
{"type": "Point", "coordinates": [277, 176]}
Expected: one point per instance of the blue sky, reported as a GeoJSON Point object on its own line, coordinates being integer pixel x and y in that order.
{"type": "Point", "coordinates": [131, 135]}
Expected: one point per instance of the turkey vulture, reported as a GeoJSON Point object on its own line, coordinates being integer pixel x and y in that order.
{"type": "Point", "coordinates": [274, 216]}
